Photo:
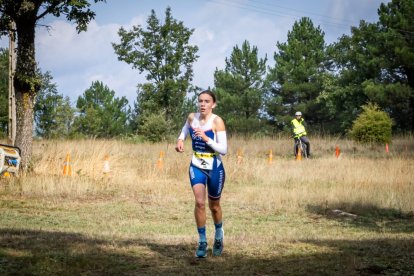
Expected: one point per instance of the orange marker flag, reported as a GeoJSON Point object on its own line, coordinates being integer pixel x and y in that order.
{"type": "Point", "coordinates": [299, 155]}
{"type": "Point", "coordinates": [67, 169]}
{"type": "Point", "coordinates": [106, 167]}
{"type": "Point", "coordinates": [270, 159]}
{"type": "Point", "coordinates": [239, 156]}
{"type": "Point", "coordinates": [337, 151]}
{"type": "Point", "coordinates": [386, 148]}
{"type": "Point", "coordinates": [160, 161]}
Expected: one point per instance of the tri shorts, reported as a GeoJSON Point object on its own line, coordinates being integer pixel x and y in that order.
{"type": "Point", "coordinates": [213, 179]}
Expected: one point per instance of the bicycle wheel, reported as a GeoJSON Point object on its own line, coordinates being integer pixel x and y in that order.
{"type": "Point", "coordinates": [304, 150]}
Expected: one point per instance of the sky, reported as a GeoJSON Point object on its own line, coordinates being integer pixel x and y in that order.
{"type": "Point", "coordinates": [76, 60]}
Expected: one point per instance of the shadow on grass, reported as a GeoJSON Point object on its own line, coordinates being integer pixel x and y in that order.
{"type": "Point", "coordinates": [367, 216]}
{"type": "Point", "coordinates": [28, 252]}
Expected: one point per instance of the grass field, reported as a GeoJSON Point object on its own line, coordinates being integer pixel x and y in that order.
{"type": "Point", "coordinates": [351, 215]}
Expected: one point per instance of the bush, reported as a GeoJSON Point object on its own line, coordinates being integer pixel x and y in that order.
{"type": "Point", "coordinates": [154, 127]}
{"type": "Point", "coordinates": [372, 125]}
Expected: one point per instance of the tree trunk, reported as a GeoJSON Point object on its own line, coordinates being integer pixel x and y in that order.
{"type": "Point", "coordinates": [26, 85]}
{"type": "Point", "coordinates": [24, 125]}
{"type": "Point", "coordinates": [12, 94]}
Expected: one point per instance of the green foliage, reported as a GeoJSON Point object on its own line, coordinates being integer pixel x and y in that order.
{"type": "Point", "coordinates": [376, 63]}
{"type": "Point", "coordinates": [77, 11]}
{"type": "Point", "coordinates": [147, 114]}
{"type": "Point", "coordinates": [393, 98]}
{"type": "Point", "coordinates": [145, 105]}
{"type": "Point", "coordinates": [297, 78]}
{"type": "Point", "coordinates": [251, 127]}
{"type": "Point", "coordinates": [397, 45]}
{"type": "Point", "coordinates": [163, 52]}
{"type": "Point", "coordinates": [357, 58]}
{"type": "Point", "coordinates": [397, 26]}
{"type": "Point", "coordinates": [27, 15]}
{"type": "Point", "coordinates": [240, 87]}
{"type": "Point", "coordinates": [154, 127]}
{"type": "Point", "coordinates": [53, 112]}
{"type": "Point", "coordinates": [100, 113]}
{"type": "Point", "coordinates": [372, 126]}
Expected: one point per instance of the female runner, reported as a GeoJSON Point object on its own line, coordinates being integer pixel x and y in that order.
{"type": "Point", "coordinates": [206, 171]}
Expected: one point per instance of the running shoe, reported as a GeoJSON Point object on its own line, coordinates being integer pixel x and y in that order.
{"type": "Point", "coordinates": [201, 250]}
{"type": "Point", "coordinates": [218, 246]}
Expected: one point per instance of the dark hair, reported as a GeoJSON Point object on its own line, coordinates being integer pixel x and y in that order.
{"type": "Point", "coordinates": [208, 92]}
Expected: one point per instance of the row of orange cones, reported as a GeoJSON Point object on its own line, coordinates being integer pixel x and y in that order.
{"type": "Point", "coordinates": [270, 157]}
{"type": "Point", "coordinates": [67, 169]}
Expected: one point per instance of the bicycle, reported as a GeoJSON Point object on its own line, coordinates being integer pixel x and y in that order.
{"type": "Point", "coordinates": [302, 146]}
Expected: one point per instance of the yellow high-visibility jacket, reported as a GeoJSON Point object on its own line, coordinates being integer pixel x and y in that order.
{"type": "Point", "coordinates": [298, 127]}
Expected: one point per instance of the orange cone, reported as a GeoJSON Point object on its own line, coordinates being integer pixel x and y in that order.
{"type": "Point", "coordinates": [270, 159]}
{"type": "Point", "coordinates": [239, 156]}
{"type": "Point", "coordinates": [67, 170]}
{"type": "Point", "coordinates": [299, 156]}
{"type": "Point", "coordinates": [337, 152]}
{"type": "Point", "coordinates": [106, 167]}
{"type": "Point", "coordinates": [160, 161]}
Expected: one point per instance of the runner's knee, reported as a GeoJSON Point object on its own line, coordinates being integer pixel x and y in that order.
{"type": "Point", "coordinates": [199, 204]}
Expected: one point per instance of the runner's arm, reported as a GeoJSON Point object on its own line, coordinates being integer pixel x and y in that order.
{"type": "Point", "coordinates": [184, 131]}
{"type": "Point", "coordinates": [179, 147]}
{"type": "Point", "coordinates": [220, 145]}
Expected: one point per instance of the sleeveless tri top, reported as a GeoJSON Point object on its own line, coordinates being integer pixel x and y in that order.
{"type": "Point", "coordinates": [203, 154]}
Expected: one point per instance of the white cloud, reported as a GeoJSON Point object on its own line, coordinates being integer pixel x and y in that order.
{"type": "Point", "coordinates": [351, 11]}
{"type": "Point", "coordinates": [218, 31]}
{"type": "Point", "coordinates": [344, 14]}
{"type": "Point", "coordinates": [76, 60]}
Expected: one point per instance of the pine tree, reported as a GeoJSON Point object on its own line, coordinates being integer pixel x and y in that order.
{"type": "Point", "coordinates": [296, 80]}
{"type": "Point", "coordinates": [53, 112]}
{"type": "Point", "coordinates": [240, 88]}
{"type": "Point", "coordinates": [101, 114]}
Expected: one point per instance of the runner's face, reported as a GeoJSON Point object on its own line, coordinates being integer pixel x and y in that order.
{"type": "Point", "coordinates": [206, 103]}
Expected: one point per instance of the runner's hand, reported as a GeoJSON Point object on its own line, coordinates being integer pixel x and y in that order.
{"type": "Point", "coordinates": [179, 147]}
{"type": "Point", "coordinates": [200, 133]}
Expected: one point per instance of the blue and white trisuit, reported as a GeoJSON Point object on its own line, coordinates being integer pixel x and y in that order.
{"type": "Point", "coordinates": [206, 165]}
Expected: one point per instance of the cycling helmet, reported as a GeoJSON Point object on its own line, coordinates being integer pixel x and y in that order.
{"type": "Point", "coordinates": [298, 113]}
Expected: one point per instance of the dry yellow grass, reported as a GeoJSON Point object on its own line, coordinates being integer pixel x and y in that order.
{"type": "Point", "coordinates": [362, 174]}
{"type": "Point", "coordinates": [274, 213]}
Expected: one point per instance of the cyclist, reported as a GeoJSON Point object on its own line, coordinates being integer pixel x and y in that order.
{"type": "Point", "coordinates": [299, 131]}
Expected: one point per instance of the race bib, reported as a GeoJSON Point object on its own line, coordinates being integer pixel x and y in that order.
{"type": "Point", "coordinates": [203, 160]}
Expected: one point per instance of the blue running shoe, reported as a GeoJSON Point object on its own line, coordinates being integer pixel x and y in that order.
{"type": "Point", "coordinates": [201, 250]}
{"type": "Point", "coordinates": [218, 246]}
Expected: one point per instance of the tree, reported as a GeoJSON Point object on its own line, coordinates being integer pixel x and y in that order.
{"type": "Point", "coordinates": [100, 113]}
{"type": "Point", "coordinates": [376, 64]}
{"type": "Point", "coordinates": [26, 14]}
{"type": "Point", "coordinates": [4, 80]}
{"type": "Point", "coordinates": [164, 54]}
{"type": "Point", "coordinates": [52, 112]}
{"type": "Point", "coordinates": [240, 88]}
{"type": "Point", "coordinates": [396, 20]}
{"type": "Point", "coordinates": [296, 80]}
